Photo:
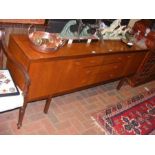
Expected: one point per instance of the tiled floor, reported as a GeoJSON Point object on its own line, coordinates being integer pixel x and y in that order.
{"type": "Point", "coordinates": [68, 114]}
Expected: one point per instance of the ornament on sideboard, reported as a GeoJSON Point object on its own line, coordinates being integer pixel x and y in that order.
{"type": "Point", "coordinates": [43, 41]}
{"type": "Point", "coordinates": [66, 32]}
{"type": "Point", "coordinates": [114, 31]}
{"type": "Point", "coordinates": [77, 31]}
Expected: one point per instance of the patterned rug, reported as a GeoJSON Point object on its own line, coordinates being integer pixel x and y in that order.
{"type": "Point", "coordinates": [135, 116]}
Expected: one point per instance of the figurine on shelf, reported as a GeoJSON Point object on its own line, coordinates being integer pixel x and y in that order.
{"type": "Point", "coordinates": [84, 32]}
{"type": "Point", "coordinates": [111, 28]}
{"type": "Point", "coordinates": [76, 30]}
{"type": "Point", "coordinates": [114, 31]}
{"type": "Point", "coordinates": [118, 32]}
{"type": "Point", "coordinates": [66, 32]}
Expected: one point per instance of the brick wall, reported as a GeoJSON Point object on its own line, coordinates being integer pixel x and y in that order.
{"type": "Point", "coordinates": [14, 29]}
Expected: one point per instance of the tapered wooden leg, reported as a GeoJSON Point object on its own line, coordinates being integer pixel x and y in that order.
{"type": "Point", "coordinates": [21, 116]}
{"type": "Point", "coordinates": [120, 84]}
{"type": "Point", "coordinates": [1, 58]}
{"type": "Point", "coordinates": [48, 101]}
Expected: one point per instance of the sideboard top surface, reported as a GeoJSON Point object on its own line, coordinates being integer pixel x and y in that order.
{"type": "Point", "coordinates": [75, 49]}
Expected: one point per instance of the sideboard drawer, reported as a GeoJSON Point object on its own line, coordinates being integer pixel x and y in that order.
{"type": "Point", "coordinates": [114, 58]}
{"type": "Point", "coordinates": [88, 75]}
{"type": "Point", "coordinates": [101, 60]}
{"type": "Point", "coordinates": [102, 73]}
{"type": "Point", "coordinates": [90, 61]}
{"type": "Point", "coordinates": [108, 59]}
{"type": "Point", "coordinates": [112, 70]}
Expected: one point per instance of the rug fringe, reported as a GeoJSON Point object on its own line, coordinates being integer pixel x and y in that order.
{"type": "Point", "coordinates": [126, 106]}
{"type": "Point", "coordinates": [98, 125]}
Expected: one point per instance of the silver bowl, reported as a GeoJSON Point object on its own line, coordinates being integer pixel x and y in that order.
{"type": "Point", "coordinates": [45, 42]}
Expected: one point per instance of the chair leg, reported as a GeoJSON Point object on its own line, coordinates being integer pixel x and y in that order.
{"type": "Point", "coordinates": [48, 101]}
{"type": "Point", "coordinates": [1, 58]}
{"type": "Point", "coordinates": [21, 116]}
{"type": "Point", "coordinates": [120, 84]}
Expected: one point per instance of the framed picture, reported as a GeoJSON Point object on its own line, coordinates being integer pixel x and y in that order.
{"type": "Point", "coordinates": [7, 86]}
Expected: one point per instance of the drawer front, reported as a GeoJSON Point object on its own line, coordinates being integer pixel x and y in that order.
{"type": "Point", "coordinates": [91, 61]}
{"type": "Point", "coordinates": [111, 71]}
{"type": "Point", "coordinates": [111, 67]}
{"type": "Point", "coordinates": [102, 60]}
{"type": "Point", "coordinates": [102, 73]}
{"type": "Point", "coordinates": [89, 75]}
{"type": "Point", "coordinates": [108, 59]}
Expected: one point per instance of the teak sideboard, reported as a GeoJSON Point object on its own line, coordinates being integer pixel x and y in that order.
{"type": "Point", "coordinates": [73, 67]}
